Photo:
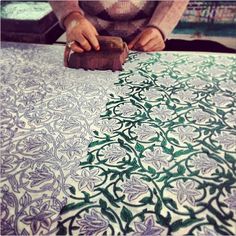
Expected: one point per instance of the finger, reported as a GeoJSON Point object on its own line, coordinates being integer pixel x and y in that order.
{"type": "Point", "coordinates": [76, 48]}
{"type": "Point", "coordinates": [133, 42]}
{"type": "Point", "coordinates": [143, 41]}
{"type": "Point", "coordinates": [83, 42]}
{"type": "Point", "coordinates": [153, 43]}
{"type": "Point", "coordinates": [156, 48]}
{"type": "Point", "coordinates": [93, 40]}
{"type": "Point", "coordinates": [159, 47]}
{"type": "Point", "coordinates": [95, 31]}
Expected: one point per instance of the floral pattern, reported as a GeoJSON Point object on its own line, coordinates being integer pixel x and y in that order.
{"type": "Point", "coordinates": [146, 151]}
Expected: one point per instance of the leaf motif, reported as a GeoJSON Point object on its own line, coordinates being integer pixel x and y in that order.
{"type": "Point", "coordinates": [176, 225]}
{"type": "Point", "coordinates": [139, 147]}
{"type": "Point", "coordinates": [25, 199]}
{"type": "Point", "coordinates": [109, 215]}
{"type": "Point", "coordinates": [158, 207]}
{"type": "Point", "coordinates": [170, 202]}
{"type": "Point", "coordinates": [146, 200]}
{"type": "Point", "coordinates": [91, 158]}
{"type": "Point", "coordinates": [14, 183]}
{"type": "Point", "coordinates": [229, 158]}
{"type": "Point", "coordinates": [151, 170]}
{"type": "Point", "coordinates": [62, 230]}
{"type": "Point", "coordinates": [126, 214]}
{"type": "Point", "coordinates": [9, 198]}
{"type": "Point", "coordinates": [103, 204]}
{"type": "Point", "coordinates": [148, 105]}
{"type": "Point", "coordinates": [25, 232]}
{"type": "Point", "coordinates": [181, 169]}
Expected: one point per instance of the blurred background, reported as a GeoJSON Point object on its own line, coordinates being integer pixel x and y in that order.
{"type": "Point", "coordinates": [205, 25]}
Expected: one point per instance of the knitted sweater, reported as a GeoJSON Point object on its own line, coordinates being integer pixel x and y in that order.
{"type": "Point", "coordinates": [124, 18]}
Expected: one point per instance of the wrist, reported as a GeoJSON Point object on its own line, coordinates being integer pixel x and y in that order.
{"type": "Point", "coordinates": [73, 16]}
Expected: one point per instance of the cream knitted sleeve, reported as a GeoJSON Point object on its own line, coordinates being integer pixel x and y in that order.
{"type": "Point", "coordinates": [64, 8]}
{"type": "Point", "coordinates": [167, 15]}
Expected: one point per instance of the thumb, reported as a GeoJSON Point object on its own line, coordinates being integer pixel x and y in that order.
{"type": "Point", "coordinates": [134, 41]}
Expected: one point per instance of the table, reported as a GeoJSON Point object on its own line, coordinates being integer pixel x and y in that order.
{"type": "Point", "coordinates": [146, 151]}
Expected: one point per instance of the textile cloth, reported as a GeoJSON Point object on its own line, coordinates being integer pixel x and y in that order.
{"type": "Point", "coordinates": [146, 151]}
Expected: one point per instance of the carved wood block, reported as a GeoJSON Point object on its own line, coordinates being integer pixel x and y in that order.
{"type": "Point", "coordinates": [111, 56]}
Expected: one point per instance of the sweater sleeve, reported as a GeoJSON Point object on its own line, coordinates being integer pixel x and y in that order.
{"type": "Point", "coordinates": [167, 15]}
{"type": "Point", "coordinates": [63, 8]}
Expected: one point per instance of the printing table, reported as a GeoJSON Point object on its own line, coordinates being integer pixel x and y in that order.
{"type": "Point", "coordinates": [146, 151]}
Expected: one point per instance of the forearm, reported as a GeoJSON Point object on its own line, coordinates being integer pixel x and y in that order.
{"type": "Point", "coordinates": [62, 9]}
{"type": "Point", "coordinates": [167, 15]}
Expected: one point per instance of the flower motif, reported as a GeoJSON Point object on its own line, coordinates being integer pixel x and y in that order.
{"type": "Point", "coordinates": [228, 141]}
{"type": "Point", "coordinates": [114, 152]}
{"type": "Point", "coordinates": [33, 144]}
{"type": "Point", "coordinates": [137, 79]}
{"type": "Point", "coordinates": [198, 83]}
{"type": "Point", "coordinates": [186, 95]}
{"type": "Point", "coordinates": [6, 115]}
{"type": "Point", "coordinates": [161, 113]}
{"type": "Point", "coordinates": [31, 84]}
{"type": "Point", "coordinates": [88, 178]}
{"type": "Point", "coordinates": [200, 116]}
{"type": "Point", "coordinates": [203, 163]}
{"type": "Point", "coordinates": [38, 217]}
{"type": "Point", "coordinates": [145, 132]}
{"type": "Point", "coordinates": [62, 103]}
{"type": "Point", "coordinates": [231, 200]}
{"type": "Point", "coordinates": [5, 135]}
{"type": "Point", "coordinates": [92, 106]}
{"type": "Point", "coordinates": [185, 191]}
{"type": "Point", "coordinates": [108, 125]}
{"type": "Point", "coordinates": [75, 147]}
{"type": "Point", "coordinates": [221, 100]}
{"type": "Point", "coordinates": [6, 163]}
{"type": "Point", "coordinates": [160, 68]}
{"type": "Point", "coordinates": [37, 116]}
{"type": "Point", "coordinates": [231, 118]}
{"type": "Point", "coordinates": [157, 158]}
{"type": "Point", "coordinates": [152, 94]}
{"type": "Point", "coordinates": [186, 133]}
{"type": "Point", "coordinates": [168, 57]}
{"type": "Point", "coordinates": [70, 123]}
{"type": "Point", "coordinates": [134, 187]}
{"type": "Point", "coordinates": [208, 232]}
{"type": "Point", "coordinates": [122, 91]}
{"type": "Point", "coordinates": [7, 225]}
{"type": "Point", "coordinates": [32, 98]}
{"type": "Point", "coordinates": [147, 228]}
{"type": "Point", "coordinates": [92, 224]}
{"type": "Point", "coordinates": [7, 228]}
{"type": "Point", "coordinates": [166, 82]}
{"type": "Point", "coordinates": [216, 71]}
{"type": "Point", "coordinates": [127, 109]}
{"type": "Point", "coordinates": [89, 89]}
{"type": "Point", "coordinates": [40, 175]}
{"type": "Point", "coordinates": [228, 85]}
{"type": "Point", "coordinates": [185, 68]}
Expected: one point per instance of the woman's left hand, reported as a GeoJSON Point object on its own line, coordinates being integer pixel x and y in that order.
{"type": "Point", "coordinates": [149, 40]}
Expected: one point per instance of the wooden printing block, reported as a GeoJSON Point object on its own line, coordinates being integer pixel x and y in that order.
{"type": "Point", "coordinates": [111, 56]}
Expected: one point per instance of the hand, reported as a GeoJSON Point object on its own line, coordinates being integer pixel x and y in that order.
{"type": "Point", "coordinates": [149, 40]}
{"type": "Point", "coordinates": [79, 29]}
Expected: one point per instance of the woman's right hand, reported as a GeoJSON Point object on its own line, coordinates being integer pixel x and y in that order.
{"type": "Point", "coordinates": [79, 29]}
